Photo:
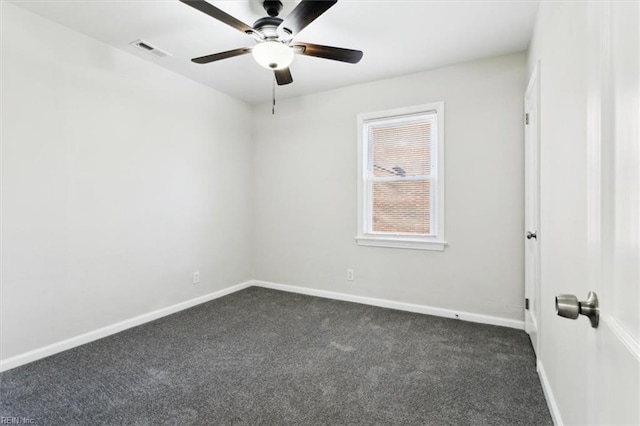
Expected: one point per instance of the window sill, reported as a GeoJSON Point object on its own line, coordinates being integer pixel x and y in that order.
{"type": "Point", "coordinates": [404, 243]}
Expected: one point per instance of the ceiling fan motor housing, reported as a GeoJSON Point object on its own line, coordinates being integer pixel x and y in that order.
{"type": "Point", "coordinates": [268, 27]}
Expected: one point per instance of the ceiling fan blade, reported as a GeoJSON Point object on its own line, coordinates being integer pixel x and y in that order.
{"type": "Point", "coordinates": [283, 76]}
{"type": "Point", "coordinates": [305, 13]}
{"type": "Point", "coordinates": [222, 55]}
{"type": "Point", "coordinates": [218, 14]}
{"type": "Point", "coordinates": [328, 52]}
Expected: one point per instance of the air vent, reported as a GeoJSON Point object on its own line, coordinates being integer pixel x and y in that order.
{"type": "Point", "coordinates": [150, 49]}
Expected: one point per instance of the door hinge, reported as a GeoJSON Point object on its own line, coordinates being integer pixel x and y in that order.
{"type": "Point", "coordinates": [526, 118]}
{"type": "Point", "coordinates": [526, 303]}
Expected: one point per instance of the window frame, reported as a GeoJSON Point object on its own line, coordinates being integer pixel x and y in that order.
{"type": "Point", "coordinates": [366, 237]}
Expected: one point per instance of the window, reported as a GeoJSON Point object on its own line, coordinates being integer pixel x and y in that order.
{"type": "Point", "coordinates": [401, 178]}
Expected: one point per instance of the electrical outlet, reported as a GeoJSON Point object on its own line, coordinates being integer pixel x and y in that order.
{"type": "Point", "coordinates": [196, 277]}
{"type": "Point", "coordinates": [350, 275]}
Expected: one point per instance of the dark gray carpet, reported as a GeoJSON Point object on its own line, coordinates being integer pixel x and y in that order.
{"type": "Point", "coordinates": [264, 357]}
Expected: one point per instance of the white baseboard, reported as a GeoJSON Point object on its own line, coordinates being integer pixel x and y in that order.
{"type": "Point", "coordinates": [548, 394]}
{"type": "Point", "coordinates": [402, 306]}
{"type": "Point", "coordinates": [73, 342]}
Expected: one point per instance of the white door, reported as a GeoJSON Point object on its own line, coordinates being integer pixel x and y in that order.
{"type": "Point", "coordinates": [613, 202]}
{"type": "Point", "coordinates": [531, 231]}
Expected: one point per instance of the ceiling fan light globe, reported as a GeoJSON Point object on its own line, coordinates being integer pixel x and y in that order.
{"type": "Point", "coordinates": [273, 55]}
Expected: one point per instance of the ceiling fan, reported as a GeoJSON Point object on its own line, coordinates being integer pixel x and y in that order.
{"type": "Point", "coordinates": [274, 36]}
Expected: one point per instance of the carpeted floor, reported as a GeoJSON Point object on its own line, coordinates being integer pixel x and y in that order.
{"type": "Point", "coordinates": [264, 357]}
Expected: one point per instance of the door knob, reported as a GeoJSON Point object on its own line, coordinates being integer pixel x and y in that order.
{"type": "Point", "coordinates": [531, 235]}
{"type": "Point", "coordinates": [568, 306]}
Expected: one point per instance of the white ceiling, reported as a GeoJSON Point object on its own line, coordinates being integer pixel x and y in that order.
{"type": "Point", "coordinates": [397, 38]}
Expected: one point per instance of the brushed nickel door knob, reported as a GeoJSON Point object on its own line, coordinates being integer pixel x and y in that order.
{"type": "Point", "coordinates": [568, 306]}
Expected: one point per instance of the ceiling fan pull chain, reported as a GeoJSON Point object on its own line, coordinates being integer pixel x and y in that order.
{"type": "Point", "coordinates": [273, 93]}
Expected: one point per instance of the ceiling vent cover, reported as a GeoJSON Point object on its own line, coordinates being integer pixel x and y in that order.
{"type": "Point", "coordinates": [150, 49]}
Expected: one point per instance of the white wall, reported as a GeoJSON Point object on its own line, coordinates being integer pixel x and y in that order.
{"type": "Point", "coordinates": [119, 179]}
{"type": "Point", "coordinates": [304, 171]}
{"type": "Point", "coordinates": [560, 45]}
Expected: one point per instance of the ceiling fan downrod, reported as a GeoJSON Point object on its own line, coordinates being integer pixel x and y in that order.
{"type": "Point", "coordinates": [272, 7]}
